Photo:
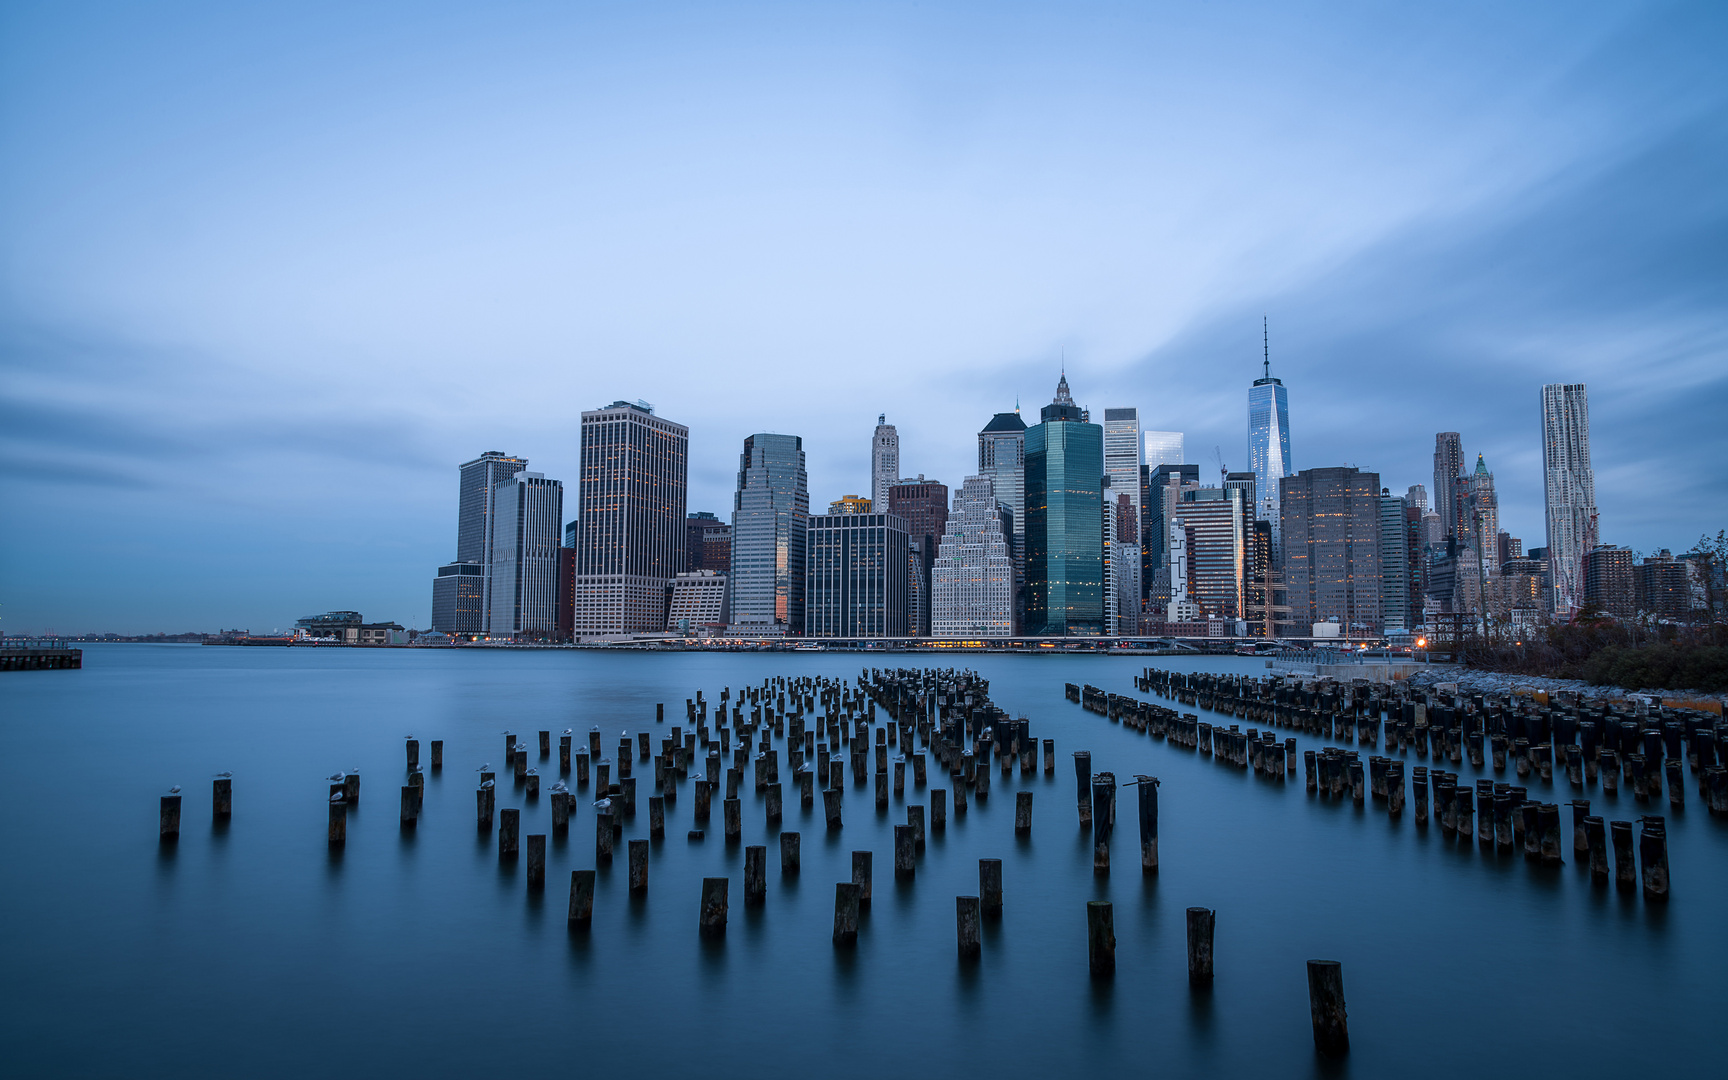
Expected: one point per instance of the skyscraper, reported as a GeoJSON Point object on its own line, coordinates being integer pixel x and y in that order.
{"type": "Point", "coordinates": [707, 543]}
{"type": "Point", "coordinates": [1448, 467]}
{"type": "Point", "coordinates": [1479, 518]}
{"type": "Point", "coordinates": [972, 581]}
{"type": "Point", "coordinates": [1569, 489]}
{"type": "Point", "coordinates": [1064, 520]}
{"type": "Point", "coordinates": [1156, 532]}
{"type": "Point", "coordinates": [631, 505]}
{"type": "Point", "coordinates": [1002, 458]}
{"type": "Point", "coordinates": [1331, 539]}
{"type": "Point", "coordinates": [1268, 438]}
{"type": "Point", "coordinates": [1121, 565]}
{"type": "Point", "coordinates": [770, 516]}
{"type": "Point", "coordinates": [529, 512]}
{"type": "Point", "coordinates": [1394, 564]}
{"type": "Point", "coordinates": [461, 602]}
{"type": "Point", "coordinates": [1161, 448]}
{"type": "Point", "coordinates": [1122, 457]}
{"type": "Point", "coordinates": [884, 460]}
{"type": "Point", "coordinates": [924, 506]}
{"type": "Point", "coordinates": [1217, 521]}
{"type": "Point", "coordinates": [855, 576]}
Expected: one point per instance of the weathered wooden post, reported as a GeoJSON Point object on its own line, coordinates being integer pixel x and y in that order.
{"type": "Point", "coordinates": [1083, 784]}
{"type": "Point", "coordinates": [1653, 857]}
{"type": "Point", "coordinates": [338, 834]}
{"type": "Point", "coordinates": [1548, 825]}
{"type": "Point", "coordinates": [1580, 811]}
{"type": "Point", "coordinates": [656, 816]}
{"type": "Point", "coordinates": [536, 861]}
{"type": "Point", "coordinates": [1049, 756]}
{"type": "Point", "coordinates": [581, 897]}
{"type": "Point", "coordinates": [1308, 767]}
{"type": "Point", "coordinates": [1625, 870]}
{"type": "Point", "coordinates": [563, 755]}
{"type": "Point", "coordinates": [712, 920]}
{"type": "Point", "coordinates": [351, 787]}
{"type": "Point", "coordinates": [790, 855]}
{"type": "Point", "coordinates": [1100, 939]}
{"type": "Point", "coordinates": [831, 807]}
{"type": "Point", "coordinates": [437, 754]}
{"type": "Point", "coordinates": [603, 835]}
{"type": "Point", "coordinates": [1103, 820]}
{"type": "Point", "coordinates": [1022, 812]}
{"type": "Point", "coordinates": [170, 819]}
{"type": "Point", "coordinates": [863, 864]}
{"type": "Point", "coordinates": [1326, 1004]}
{"type": "Point", "coordinates": [755, 874]}
{"type": "Point", "coordinates": [410, 813]}
{"type": "Point", "coordinates": [846, 902]}
{"type": "Point", "coordinates": [990, 887]}
{"type": "Point", "coordinates": [1200, 925]}
{"type": "Point", "coordinates": [966, 926]}
{"type": "Point", "coordinates": [221, 798]}
{"type": "Point", "coordinates": [545, 744]}
{"type": "Point", "coordinates": [1596, 841]}
{"type": "Point", "coordinates": [905, 852]}
{"type": "Point", "coordinates": [1148, 796]}
{"type": "Point", "coordinates": [483, 803]}
{"type": "Point", "coordinates": [509, 822]}
{"type": "Point", "coordinates": [915, 818]}
{"type": "Point", "coordinates": [938, 810]}
{"type": "Point", "coordinates": [731, 814]}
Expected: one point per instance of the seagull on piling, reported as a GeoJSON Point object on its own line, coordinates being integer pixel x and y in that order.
{"type": "Point", "coordinates": [336, 796]}
{"type": "Point", "coordinates": [484, 784]}
{"type": "Point", "coordinates": [485, 768]}
{"type": "Point", "coordinates": [224, 776]}
{"type": "Point", "coordinates": [567, 731]}
{"type": "Point", "coordinates": [559, 786]}
{"type": "Point", "coordinates": [175, 790]}
{"type": "Point", "coordinates": [336, 778]}
{"type": "Point", "coordinates": [532, 772]}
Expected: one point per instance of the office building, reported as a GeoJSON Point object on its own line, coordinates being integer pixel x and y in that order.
{"type": "Point", "coordinates": [1417, 496]}
{"type": "Point", "coordinates": [850, 504]}
{"type": "Point", "coordinates": [1265, 606]}
{"type": "Point", "coordinates": [1479, 517]}
{"type": "Point", "coordinates": [1121, 564]}
{"type": "Point", "coordinates": [1331, 540]}
{"type": "Point", "coordinates": [1448, 467]}
{"type": "Point", "coordinates": [1268, 439]}
{"type": "Point", "coordinates": [631, 503]}
{"type": "Point", "coordinates": [924, 506]}
{"type": "Point", "coordinates": [1122, 458]}
{"type": "Point", "coordinates": [525, 543]}
{"type": "Point", "coordinates": [1216, 523]}
{"type": "Point", "coordinates": [696, 600]}
{"type": "Point", "coordinates": [1161, 448]}
{"type": "Point", "coordinates": [972, 578]}
{"type": "Point", "coordinates": [1181, 607]}
{"type": "Point", "coordinates": [707, 543]}
{"type": "Point", "coordinates": [461, 602]}
{"type": "Point", "coordinates": [1002, 458]}
{"type": "Point", "coordinates": [1164, 485]}
{"type": "Point", "coordinates": [1394, 565]}
{"type": "Point", "coordinates": [1609, 580]}
{"type": "Point", "coordinates": [1569, 490]}
{"type": "Point", "coordinates": [855, 576]}
{"type": "Point", "coordinates": [884, 460]}
{"type": "Point", "coordinates": [770, 514]}
{"type": "Point", "coordinates": [1064, 521]}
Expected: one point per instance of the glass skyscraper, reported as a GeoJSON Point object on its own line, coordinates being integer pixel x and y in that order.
{"type": "Point", "coordinates": [1002, 458]}
{"type": "Point", "coordinates": [770, 516]}
{"type": "Point", "coordinates": [1064, 521]}
{"type": "Point", "coordinates": [461, 595]}
{"type": "Point", "coordinates": [1268, 443]}
{"type": "Point", "coordinates": [856, 570]}
{"type": "Point", "coordinates": [529, 510]}
{"type": "Point", "coordinates": [1162, 448]}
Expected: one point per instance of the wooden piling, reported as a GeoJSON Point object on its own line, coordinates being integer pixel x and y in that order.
{"type": "Point", "coordinates": [603, 836]}
{"type": "Point", "coordinates": [509, 822]}
{"type": "Point", "coordinates": [169, 824]}
{"type": "Point", "coordinates": [437, 754]}
{"type": "Point", "coordinates": [484, 801]}
{"type": "Point", "coordinates": [221, 797]}
{"type": "Point", "coordinates": [731, 814]}
{"type": "Point", "coordinates": [711, 922]}
{"type": "Point", "coordinates": [990, 887]}
{"type": "Point", "coordinates": [338, 834]}
{"type": "Point", "coordinates": [915, 818]}
{"type": "Point", "coordinates": [966, 920]}
{"type": "Point", "coordinates": [1548, 826]}
{"type": "Point", "coordinates": [536, 861]}
{"type": "Point", "coordinates": [1200, 925]}
{"type": "Point", "coordinates": [1625, 869]}
{"type": "Point", "coordinates": [938, 810]}
{"type": "Point", "coordinates": [846, 902]}
{"type": "Point", "coordinates": [1100, 939]}
{"type": "Point", "coordinates": [1653, 858]}
{"type": "Point", "coordinates": [1023, 812]}
{"type": "Point", "coordinates": [1083, 784]}
{"type": "Point", "coordinates": [1148, 800]}
{"type": "Point", "coordinates": [755, 874]}
{"type": "Point", "coordinates": [831, 798]}
{"type": "Point", "coordinates": [351, 787]}
{"type": "Point", "coordinates": [410, 815]}
{"type": "Point", "coordinates": [581, 897]}
{"type": "Point", "coordinates": [790, 855]}
{"type": "Point", "coordinates": [1326, 1004]}
{"type": "Point", "coordinates": [1596, 848]}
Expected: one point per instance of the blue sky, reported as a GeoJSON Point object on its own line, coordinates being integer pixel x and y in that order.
{"type": "Point", "coordinates": [268, 273]}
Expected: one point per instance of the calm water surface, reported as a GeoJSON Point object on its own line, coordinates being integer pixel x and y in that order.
{"type": "Point", "coordinates": [251, 950]}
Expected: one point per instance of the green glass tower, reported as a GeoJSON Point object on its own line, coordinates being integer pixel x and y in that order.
{"type": "Point", "coordinates": [1065, 521]}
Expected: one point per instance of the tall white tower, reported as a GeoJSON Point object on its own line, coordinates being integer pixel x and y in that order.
{"type": "Point", "coordinates": [1569, 484]}
{"type": "Point", "coordinates": [884, 462]}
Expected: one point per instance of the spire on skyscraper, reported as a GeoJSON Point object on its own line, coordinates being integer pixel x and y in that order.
{"type": "Point", "coordinates": [1062, 396]}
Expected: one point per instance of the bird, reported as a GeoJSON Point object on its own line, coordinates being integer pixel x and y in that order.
{"type": "Point", "coordinates": [336, 796]}
{"type": "Point", "coordinates": [336, 778]}
{"type": "Point", "coordinates": [603, 804]}
{"type": "Point", "coordinates": [485, 768]}
{"type": "Point", "coordinates": [484, 784]}
{"type": "Point", "coordinates": [532, 772]}
{"type": "Point", "coordinates": [175, 790]}
{"type": "Point", "coordinates": [410, 735]}
{"type": "Point", "coordinates": [224, 775]}
{"type": "Point", "coordinates": [559, 786]}
{"type": "Point", "coordinates": [695, 776]}
{"type": "Point", "coordinates": [567, 731]}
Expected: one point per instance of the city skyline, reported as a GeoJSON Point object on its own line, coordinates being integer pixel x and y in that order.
{"type": "Point", "coordinates": [208, 325]}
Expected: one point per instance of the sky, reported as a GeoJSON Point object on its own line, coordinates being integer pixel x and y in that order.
{"type": "Point", "coordinates": [270, 272]}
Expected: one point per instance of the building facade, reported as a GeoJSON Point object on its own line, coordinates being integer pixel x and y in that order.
{"type": "Point", "coordinates": [1002, 458]}
{"type": "Point", "coordinates": [707, 543]}
{"type": "Point", "coordinates": [856, 576]}
{"type": "Point", "coordinates": [1217, 523]}
{"type": "Point", "coordinates": [527, 538]}
{"type": "Point", "coordinates": [851, 504]}
{"type": "Point", "coordinates": [1609, 580]}
{"type": "Point", "coordinates": [884, 460]}
{"type": "Point", "coordinates": [1161, 448]}
{"type": "Point", "coordinates": [923, 504]}
{"type": "Point", "coordinates": [1662, 586]}
{"type": "Point", "coordinates": [696, 600]}
{"type": "Point", "coordinates": [972, 579]}
{"type": "Point", "coordinates": [1569, 490]}
{"type": "Point", "coordinates": [631, 505]}
{"type": "Point", "coordinates": [456, 609]}
{"type": "Point", "coordinates": [770, 515]}
{"type": "Point", "coordinates": [1448, 467]}
{"type": "Point", "coordinates": [1331, 540]}
{"type": "Point", "coordinates": [1064, 521]}
{"type": "Point", "coordinates": [1394, 564]}
{"type": "Point", "coordinates": [1268, 441]}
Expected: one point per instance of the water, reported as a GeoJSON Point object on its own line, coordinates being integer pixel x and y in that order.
{"type": "Point", "coordinates": [251, 950]}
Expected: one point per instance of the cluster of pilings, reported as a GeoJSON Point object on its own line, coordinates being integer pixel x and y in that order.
{"type": "Point", "coordinates": [1501, 815]}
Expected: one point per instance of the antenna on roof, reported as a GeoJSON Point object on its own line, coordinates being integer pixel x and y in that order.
{"type": "Point", "coordinates": [1265, 348]}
